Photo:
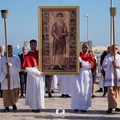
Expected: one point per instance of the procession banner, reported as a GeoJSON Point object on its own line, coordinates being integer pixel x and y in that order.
{"type": "Point", "coordinates": [59, 42]}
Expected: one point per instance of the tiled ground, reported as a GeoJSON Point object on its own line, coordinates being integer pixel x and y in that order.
{"type": "Point", "coordinates": [96, 112]}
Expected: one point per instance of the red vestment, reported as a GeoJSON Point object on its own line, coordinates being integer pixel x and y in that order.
{"type": "Point", "coordinates": [87, 57]}
{"type": "Point", "coordinates": [31, 59]}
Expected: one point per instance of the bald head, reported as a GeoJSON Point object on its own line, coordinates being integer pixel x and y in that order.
{"type": "Point", "coordinates": [2, 48]}
{"type": "Point", "coordinates": [25, 50]}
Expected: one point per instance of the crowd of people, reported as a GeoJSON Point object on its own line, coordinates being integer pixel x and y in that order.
{"type": "Point", "coordinates": [20, 74]}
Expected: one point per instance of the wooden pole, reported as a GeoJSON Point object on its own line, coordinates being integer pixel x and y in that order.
{"type": "Point", "coordinates": [4, 14]}
{"type": "Point", "coordinates": [111, 26]}
{"type": "Point", "coordinates": [113, 13]}
{"type": "Point", "coordinates": [114, 43]}
{"type": "Point", "coordinates": [7, 60]}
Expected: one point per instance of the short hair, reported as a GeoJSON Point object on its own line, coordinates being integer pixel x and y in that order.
{"type": "Point", "coordinates": [33, 41]}
{"type": "Point", "coordinates": [61, 14]}
{"type": "Point", "coordinates": [10, 46]}
{"type": "Point", "coordinates": [85, 43]}
{"type": "Point", "coordinates": [24, 47]}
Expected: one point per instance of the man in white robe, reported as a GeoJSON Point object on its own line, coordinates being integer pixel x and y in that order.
{"type": "Point", "coordinates": [10, 96]}
{"type": "Point", "coordinates": [82, 83]}
{"type": "Point", "coordinates": [112, 79]}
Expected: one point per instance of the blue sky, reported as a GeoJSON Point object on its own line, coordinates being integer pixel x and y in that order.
{"type": "Point", "coordinates": [22, 21]}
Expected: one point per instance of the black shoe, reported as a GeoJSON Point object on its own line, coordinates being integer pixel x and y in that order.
{"type": "Point", "coordinates": [109, 110]}
{"type": "Point", "coordinates": [76, 110]}
{"type": "Point", "coordinates": [83, 110]}
{"type": "Point", "coordinates": [104, 94]}
{"type": "Point", "coordinates": [22, 96]}
{"type": "Point", "coordinates": [117, 109]}
{"type": "Point", "coordinates": [100, 90]}
{"type": "Point", "coordinates": [63, 95]}
{"type": "Point", "coordinates": [52, 91]}
{"type": "Point", "coordinates": [93, 96]}
{"type": "Point", "coordinates": [67, 96]}
{"type": "Point", "coordinates": [14, 107]}
{"type": "Point", "coordinates": [6, 109]}
{"type": "Point", "coordinates": [49, 95]}
{"type": "Point", "coordinates": [36, 111]}
{"type": "Point", "coordinates": [33, 110]}
{"type": "Point", "coordinates": [46, 91]}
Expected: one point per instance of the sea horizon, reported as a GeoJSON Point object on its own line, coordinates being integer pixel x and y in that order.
{"type": "Point", "coordinates": [17, 51]}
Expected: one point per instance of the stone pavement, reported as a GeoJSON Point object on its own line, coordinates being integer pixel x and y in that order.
{"type": "Point", "coordinates": [96, 112]}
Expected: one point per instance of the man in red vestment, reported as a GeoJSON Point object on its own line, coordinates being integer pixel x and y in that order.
{"type": "Point", "coordinates": [35, 79]}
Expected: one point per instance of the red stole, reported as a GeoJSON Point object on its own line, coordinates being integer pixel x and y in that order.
{"type": "Point", "coordinates": [87, 57]}
{"type": "Point", "coordinates": [31, 59]}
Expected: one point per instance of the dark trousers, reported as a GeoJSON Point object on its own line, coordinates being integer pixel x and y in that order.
{"type": "Point", "coordinates": [1, 92]}
{"type": "Point", "coordinates": [105, 88]}
{"type": "Point", "coordinates": [23, 79]}
{"type": "Point", "coordinates": [48, 80]}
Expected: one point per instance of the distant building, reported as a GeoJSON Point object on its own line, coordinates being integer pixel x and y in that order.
{"type": "Point", "coordinates": [96, 49]}
{"type": "Point", "coordinates": [99, 49]}
{"type": "Point", "coordinates": [25, 44]}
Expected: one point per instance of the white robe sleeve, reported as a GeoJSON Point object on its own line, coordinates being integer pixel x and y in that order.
{"type": "Point", "coordinates": [16, 66]}
{"type": "Point", "coordinates": [2, 76]}
{"type": "Point", "coordinates": [33, 71]}
{"type": "Point", "coordinates": [2, 73]}
{"type": "Point", "coordinates": [85, 64]}
{"type": "Point", "coordinates": [107, 63]}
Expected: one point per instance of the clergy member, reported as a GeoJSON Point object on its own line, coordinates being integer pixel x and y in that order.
{"type": "Point", "coordinates": [82, 91]}
{"type": "Point", "coordinates": [35, 80]}
{"type": "Point", "coordinates": [10, 97]}
{"type": "Point", "coordinates": [112, 80]}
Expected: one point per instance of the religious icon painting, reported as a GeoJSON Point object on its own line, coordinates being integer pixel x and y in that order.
{"type": "Point", "coordinates": [58, 30]}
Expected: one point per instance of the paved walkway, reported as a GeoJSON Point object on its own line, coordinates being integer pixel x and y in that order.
{"type": "Point", "coordinates": [96, 112]}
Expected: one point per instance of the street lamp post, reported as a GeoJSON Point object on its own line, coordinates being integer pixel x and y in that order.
{"type": "Point", "coordinates": [87, 25]}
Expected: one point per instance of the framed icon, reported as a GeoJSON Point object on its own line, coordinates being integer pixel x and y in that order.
{"type": "Point", "coordinates": [58, 44]}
